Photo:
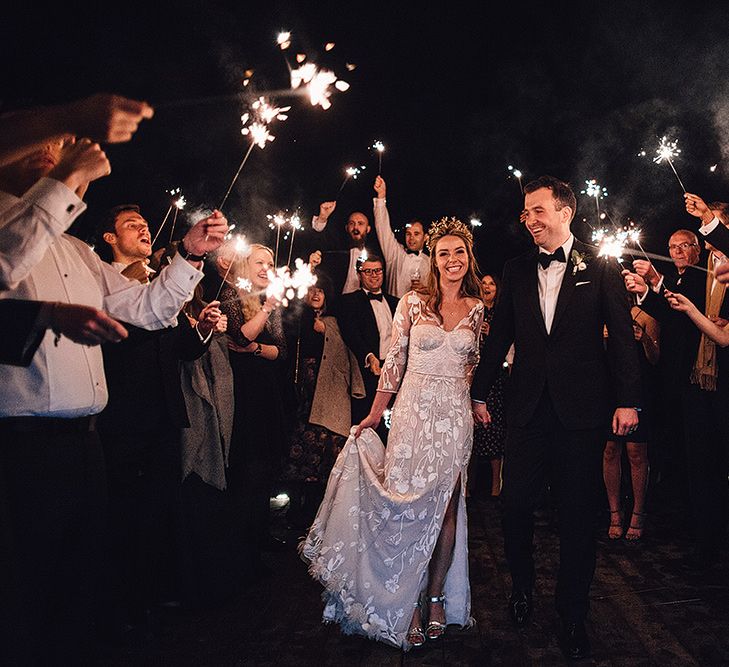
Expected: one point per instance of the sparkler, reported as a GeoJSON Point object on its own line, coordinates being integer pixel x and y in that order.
{"type": "Point", "coordinates": [179, 204]}
{"type": "Point", "coordinates": [295, 222]}
{"type": "Point", "coordinates": [351, 172]}
{"type": "Point", "coordinates": [517, 174]}
{"type": "Point", "coordinates": [262, 114]}
{"type": "Point", "coordinates": [596, 191]}
{"type": "Point", "coordinates": [666, 151]}
{"type": "Point", "coordinates": [277, 220]}
{"type": "Point", "coordinates": [475, 222]}
{"type": "Point", "coordinates": [243, 284]}
{"type": "Point", "coordinates": [240, 248]}
{"type": "Point", "coordinates": [380, 148]}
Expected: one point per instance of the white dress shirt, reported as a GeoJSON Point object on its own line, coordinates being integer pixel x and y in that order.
{"type": "Point", "coordinates": [383, 317]}
{"type": "Point", "coordinates": [402, 266]}
{"type": "Point", "coordinates": [550, 281]}
{"type": "Point", "coordinates": [38, 261]}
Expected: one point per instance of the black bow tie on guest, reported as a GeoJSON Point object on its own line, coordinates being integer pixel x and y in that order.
{"type": "Point", "coordinates": [545, 259]}
{"type": "Point", "coordinates": [412, 252]}
{"type": "Point", "coordinates": [374, 297]}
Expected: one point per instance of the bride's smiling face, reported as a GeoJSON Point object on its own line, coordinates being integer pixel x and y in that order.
{"type": "Point", "coordinates": [451, 258]}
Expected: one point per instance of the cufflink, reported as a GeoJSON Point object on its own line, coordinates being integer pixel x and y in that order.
{"type": "Point", "coordinates": [70, 207]}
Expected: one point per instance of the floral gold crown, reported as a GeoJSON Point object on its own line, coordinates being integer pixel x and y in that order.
{"type": "Point", "coordinates": [446, 226]}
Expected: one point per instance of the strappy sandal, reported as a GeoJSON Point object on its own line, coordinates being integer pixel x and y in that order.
{"type": "Point", "coordinates": [415, 636]}
{"type": "Point", "coordinates": [615, 531]}
{"type": "Point", "coordinates": [636, 526]}
{"type": "Point", "coordinates": [435, 629]}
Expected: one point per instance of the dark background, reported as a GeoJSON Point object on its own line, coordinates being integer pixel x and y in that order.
{"type": "Point", "coordinates": [571, 89]}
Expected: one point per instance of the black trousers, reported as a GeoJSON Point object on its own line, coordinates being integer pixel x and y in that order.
{"type": "Point", "coordinates": [571, 461]}
{"type": "Point", "coordinates": [706, 424]}
{"type": "Point", "coordinates": [52, 509]}
{"type": "Point", "coordinates": [141, 564]}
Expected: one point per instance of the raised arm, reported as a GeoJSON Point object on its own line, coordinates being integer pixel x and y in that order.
{"type": "Point", "coordinates": [391, 249]}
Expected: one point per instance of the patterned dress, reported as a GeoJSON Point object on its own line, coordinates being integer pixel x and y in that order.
{"type": "Point", "coordinates": [371, 542]}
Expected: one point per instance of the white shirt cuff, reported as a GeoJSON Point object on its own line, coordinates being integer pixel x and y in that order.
{"type": "Point", "coordinates": [705, 230]}
{"type": "Point", "coordinates": [317, 225]}
{"type": "Point", "coordinates": [61, 204]}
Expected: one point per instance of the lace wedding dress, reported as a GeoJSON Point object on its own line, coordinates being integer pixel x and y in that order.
{"type": "Point", "coordinates": [374, 534]}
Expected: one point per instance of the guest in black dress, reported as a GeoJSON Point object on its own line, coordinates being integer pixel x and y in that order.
{"type": "Point", "coordinates": [646, 331]}
{"type": "Point", "coordinates": [257, 345]}
{"type": "Point", "coordinates": [488, 441]}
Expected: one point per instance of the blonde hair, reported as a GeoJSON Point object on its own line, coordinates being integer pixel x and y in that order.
{"type": "Point", "coordinates": [250, 303]}
{"type": "Point", "coordinates": [471, 285]}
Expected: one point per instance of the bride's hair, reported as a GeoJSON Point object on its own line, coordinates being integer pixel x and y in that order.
{"type": "Point", "coordinates": [471, 285]}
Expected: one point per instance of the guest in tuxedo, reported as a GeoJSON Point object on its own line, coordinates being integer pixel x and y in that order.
{"type": "Point", "coordinates": [143, 454]}
{"type": "Point", "coordinates": [366, 322]}
{"type": "Point", "coordinates": [342, 247]}
{"type": "Point", "coordinates": [555, 302]}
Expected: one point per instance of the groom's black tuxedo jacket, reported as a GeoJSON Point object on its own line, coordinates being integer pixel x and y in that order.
{"type": "Point", "coordinates": [585, 382]}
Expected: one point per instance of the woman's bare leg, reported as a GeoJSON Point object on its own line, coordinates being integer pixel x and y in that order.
{"type": "Point", "coordinates": [611, 473]}
{"type": "Point", "coordinates": [638, 458]}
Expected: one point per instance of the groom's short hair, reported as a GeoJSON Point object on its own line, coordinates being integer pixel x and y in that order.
{"type": "Point", "coordinates": [561, 191]}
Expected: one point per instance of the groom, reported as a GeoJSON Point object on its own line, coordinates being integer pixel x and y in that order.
{"type": "Point", "coordinates": [554, 304]}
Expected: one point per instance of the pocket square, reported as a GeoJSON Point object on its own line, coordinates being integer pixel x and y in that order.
{"type": "Point", "coordinates": [584, 282]}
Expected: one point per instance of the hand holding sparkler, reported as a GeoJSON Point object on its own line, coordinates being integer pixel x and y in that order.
{"type": "Point", "coordinates": [206, 235]}
{"type": "Point", "coordinates": [106, 118]}
{"type": "Point", "coordinates": [698, 208]}
{"type": "Point", "coordinates": [647, 271]}
{"type": "Point", "coordinates": [209, 318]}
{"type": "Point", "coordinates": [138, 271]}
{"type": "Point", "coordinates": [315, 259]}
{"type": "Point", "coordinates": [634, 283]}
{"type": "Point", "coordinates": [380, 187]}
{"type": "Point", "coordinates": [326, 208]}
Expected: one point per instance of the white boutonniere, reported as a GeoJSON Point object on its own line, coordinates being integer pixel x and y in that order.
{"type": "Point", "coordinates": [579, 261]}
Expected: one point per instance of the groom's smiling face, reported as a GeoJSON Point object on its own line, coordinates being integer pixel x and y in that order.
{"type": "Point", "coordinates": [548, 225]}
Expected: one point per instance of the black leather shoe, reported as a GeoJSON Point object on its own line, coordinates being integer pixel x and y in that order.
{"type": "Point", "coordinates": [574, 641]}
{"type": "Point", "coordinates": [520, 607]}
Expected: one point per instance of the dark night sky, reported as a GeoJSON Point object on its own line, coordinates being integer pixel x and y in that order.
{"type": "Point", "coordinates": [574, 90]}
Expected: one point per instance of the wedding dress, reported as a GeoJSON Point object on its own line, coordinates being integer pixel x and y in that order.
{"type": "Point", "coordinates": [375, 531]}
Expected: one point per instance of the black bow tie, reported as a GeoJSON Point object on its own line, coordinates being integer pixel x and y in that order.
{"type": "Point", "coordinates": [374, 297]}
{"type": "Point", "coordinates": [545, 259]}
{"type": "Point", "coordinates": [412, 252]}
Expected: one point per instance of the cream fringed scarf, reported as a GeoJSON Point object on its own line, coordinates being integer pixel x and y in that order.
{"type": "Point", "coordinates": [705, 371]}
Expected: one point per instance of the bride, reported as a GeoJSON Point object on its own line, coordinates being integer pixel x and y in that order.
{"type": "Point", "coordinates": [391, 532]}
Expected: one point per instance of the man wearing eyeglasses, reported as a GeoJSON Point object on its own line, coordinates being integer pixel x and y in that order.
{"type": "Point", "coordinates": [695, 376]}
{"type": "Point", "coordinates": [366, 324]}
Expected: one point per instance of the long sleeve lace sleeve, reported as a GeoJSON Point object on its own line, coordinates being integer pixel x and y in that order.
{"type": "Point", "coordinates": [475, 322]}
{"type": "Point", "coordinates": [397, 357]}
{"type": "Point", "coordinates": [230, 305]}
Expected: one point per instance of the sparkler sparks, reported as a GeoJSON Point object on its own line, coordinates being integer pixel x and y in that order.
{"type": "Point", "coordinates": [597, 192]}
{"type": "Point", "coordinates": [285, 286]}
{"type": "Point", "coordinates": [243, 284]}
{"type": "Point", "coordinates": [667, 150]}
{"type": "Point", "coordinates": [475, 222]}
{"type": "Point", "coordinates": [318, 83]}
{"type": "Point", "coordinates": [178, 204]}
{"type": "Point", "coordinates": [351, 172]}
{"type": "Point", "coordinates": [284, 40]}
{"type": "Point", "coordinates": [261, 115]}
{"type": "Point", "coordinates": [240, 249]}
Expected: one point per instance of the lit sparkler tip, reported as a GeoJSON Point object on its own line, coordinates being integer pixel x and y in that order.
{"type": "Point", "coordinates": [379, 146]}
{"type": "Point", "coordinates": [284, 39]}
{"type": "Point", "coordinates": [243, 284]}
{"type": "Point", "coordinates": [300, 57]}
{"type": "Point", "coordinates": [475, 222]}
{"type": "Point", "coordinates": [713, 167]}
{"type": "Point", "coordinates": [180, 202]}
{"type": "Point", "coordinates": [666, 150]}
{"type": "Point", "coordinates": [329, 46]}
{"type": "Point", "coordinates": [517, 173]}
{"type": "Point", "coordinates": [594, 189]}
{"type": "Point", "coordinates": [363, 256]}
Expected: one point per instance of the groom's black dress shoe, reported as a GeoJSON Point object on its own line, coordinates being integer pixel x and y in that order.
{"type": "Point", "coordinates": [520, 607]}
{"type": "Point", "coordinates": [574, 641]}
